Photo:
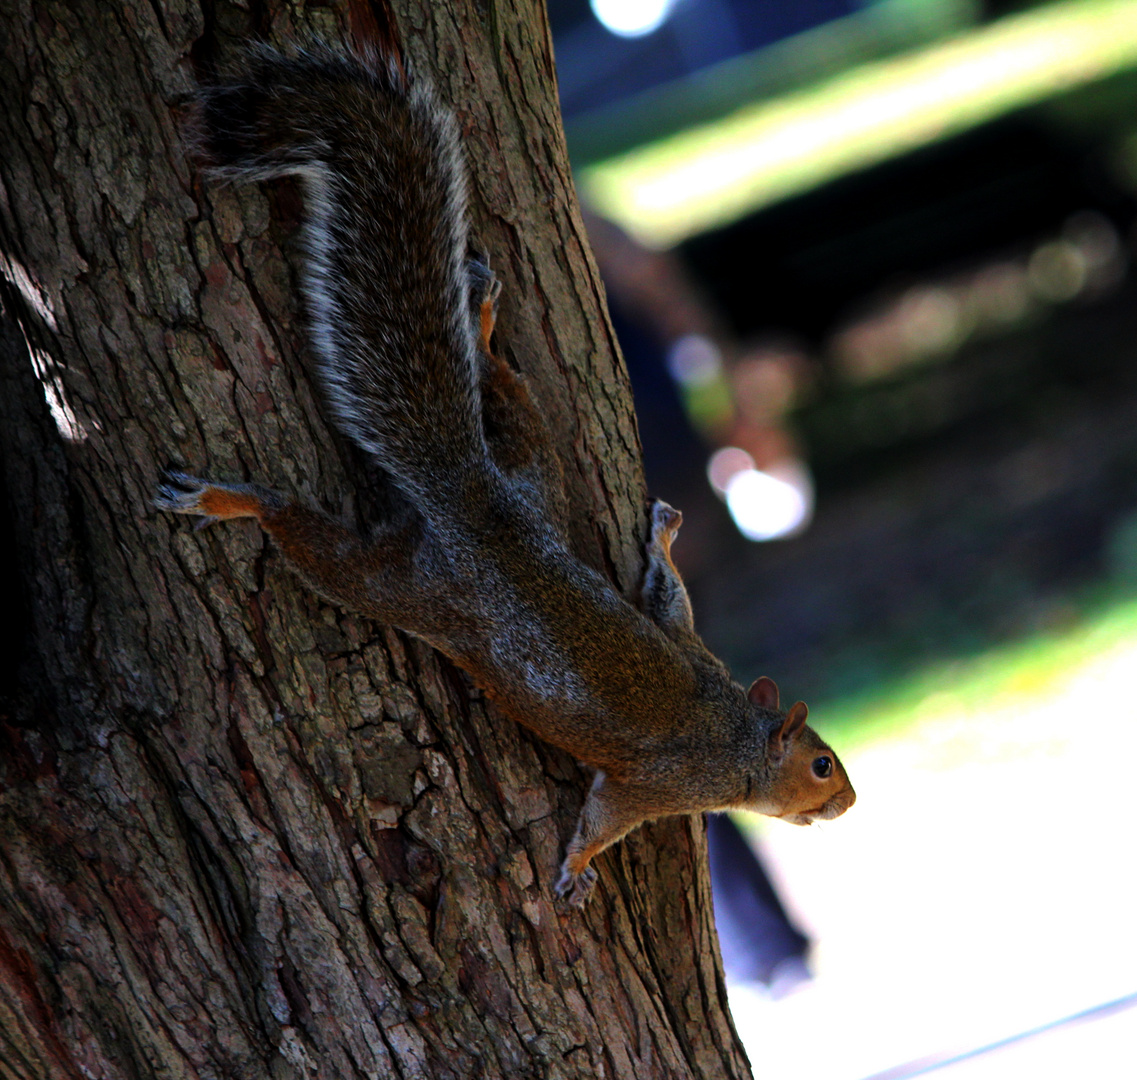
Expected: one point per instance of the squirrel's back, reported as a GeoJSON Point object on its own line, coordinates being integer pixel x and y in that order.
{"type": "Point", "coordinates": [386, 276]}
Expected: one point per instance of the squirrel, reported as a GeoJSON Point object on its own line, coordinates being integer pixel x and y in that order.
{"type": "Point", "coordinates": [474, 559]}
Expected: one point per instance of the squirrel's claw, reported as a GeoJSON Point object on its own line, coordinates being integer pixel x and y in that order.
{"type": "Point", "coordinates": [179, 494]}
{"type": "Point", "coordinates": [575, 889]}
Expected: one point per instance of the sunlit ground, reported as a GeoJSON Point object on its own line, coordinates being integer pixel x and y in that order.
{"type": "Point", "coordinates": [984, 884]}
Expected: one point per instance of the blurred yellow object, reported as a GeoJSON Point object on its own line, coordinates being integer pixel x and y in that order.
{"type": "Point", "coordinates": [716, 173]}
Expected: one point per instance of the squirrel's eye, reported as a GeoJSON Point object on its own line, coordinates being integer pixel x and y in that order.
{"type": "Point", "coordinates": [822, 767]}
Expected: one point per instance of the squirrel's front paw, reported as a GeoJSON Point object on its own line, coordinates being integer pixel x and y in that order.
{"type": "Point", "coordinates": [575, 889]}
{"type": "Point", "coordinates": [664, 518]}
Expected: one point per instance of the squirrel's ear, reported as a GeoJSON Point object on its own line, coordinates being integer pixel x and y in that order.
{"type": "Point", "coordinates": [790, 730]}
{"type": "Point", "coordinates": [764, 693]}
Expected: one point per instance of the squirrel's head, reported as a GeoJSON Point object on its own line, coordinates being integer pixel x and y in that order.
{"type": "Point", "coordinates": [808, 782]}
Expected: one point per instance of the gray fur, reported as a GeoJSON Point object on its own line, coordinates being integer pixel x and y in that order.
{"type": "Point", "coordinates": [386, 237]}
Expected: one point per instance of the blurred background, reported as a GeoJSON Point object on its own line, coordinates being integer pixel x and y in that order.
{"type": "Point", "coordinates": [871, 265]}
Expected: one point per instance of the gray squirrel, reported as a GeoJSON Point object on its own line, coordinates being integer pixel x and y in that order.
{"type": "Point", "coordinates": [474, 560]}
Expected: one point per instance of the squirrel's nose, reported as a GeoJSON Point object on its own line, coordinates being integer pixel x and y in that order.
{"type": "Point", "coordinates": [837, 805]}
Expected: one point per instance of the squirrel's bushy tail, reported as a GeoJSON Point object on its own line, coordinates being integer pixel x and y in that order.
{"type": "Point", "coordinates": [386, 234]}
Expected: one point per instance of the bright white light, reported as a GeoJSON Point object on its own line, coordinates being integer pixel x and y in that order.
{"type": "Point", "coordinates": [631, 18]}
{"type": "Point", "coordinates": [725, 465]}
{"type": "Point", "coordinates": [47, 371]}
{"type": "Point", "coordinates": [32, 292]}
{"type": "Point", "coordinates": [767, 507]}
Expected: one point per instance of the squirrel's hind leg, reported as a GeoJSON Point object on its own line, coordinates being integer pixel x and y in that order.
{"type": "Point", "coordinates": [485, 291]}
{"type": "Point", "coordinates": [185, 494]}
{"type": "Point", "coordinates": [516, 432]}
{"type": "Point", "coordinates": [372, 576]}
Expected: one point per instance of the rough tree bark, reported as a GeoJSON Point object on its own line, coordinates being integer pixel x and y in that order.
{"type": "Point", "coordinates": [242, 833]}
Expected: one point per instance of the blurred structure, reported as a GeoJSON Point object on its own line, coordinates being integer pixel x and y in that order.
{"type": "Point", "coordinates": [759, 943]}
{"type": "Point", "coordinates": [692, 379]}
{"type": "Point", "coordinates": [705, 57]}
{"type": "Point", "coordinates": [928, 340]}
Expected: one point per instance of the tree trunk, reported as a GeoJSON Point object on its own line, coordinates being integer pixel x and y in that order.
{"type": "Point", "coordinates": [243, 833]}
